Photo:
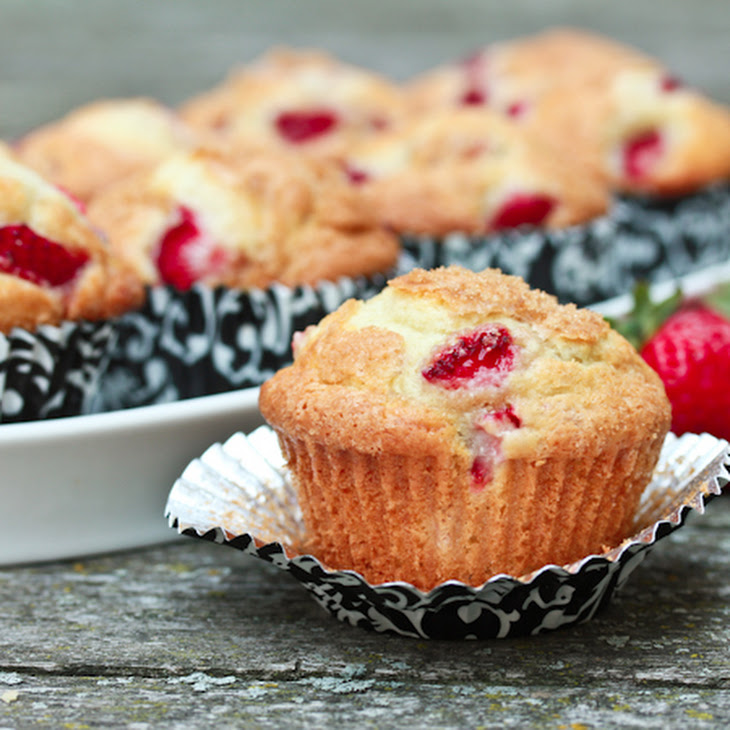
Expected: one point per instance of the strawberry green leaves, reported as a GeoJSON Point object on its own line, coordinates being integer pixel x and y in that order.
{"type": "Point", "coordinates": [646, 316]}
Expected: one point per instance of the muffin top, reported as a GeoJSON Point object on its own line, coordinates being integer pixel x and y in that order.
{"type": "Point", "coordinates": [305, 100]}
{"type": "Point", "coordinates": [510, 75]}
{"type": "Point", "coordinates": [471, 170]}
{"type": "Point", "coordinates": [53, 264]}
{"type": "Point", "coordinates": [611, 107]}
{"type": "Point", "coordinates": [242, 222]}
{"type": "Point", "coordinates": [478, 364]}
{"type": "Point", "coordinates": [102, 142]}
{"type": "Point", "coordinates": [640, 130]}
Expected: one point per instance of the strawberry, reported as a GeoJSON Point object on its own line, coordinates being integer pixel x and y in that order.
{"type": "Point", "coordinates": [473, 97]}
{"type": "Point", "coordinates": [642, 153]}
{"type": "Point", "coordinates": [475, 70]}
{"type": "Point", "coordinates": [305, 125]}
{"type": "Point", "coordinates": [482, 357]}
{"type": "Point", "coordinates": [355, 175]}
{"type": "Point", "coordinates": [32, 257]}
{"type": "Point", "coordinates": [691, 353]}
{"type": "Point", "coordinates": [687, 342]}
{"type": "Point", "coordinates": [487, 444]}
{"type": "Point", "coordinates": [523, 209]}
{"type": "Point", "coordinates": [187, 254]}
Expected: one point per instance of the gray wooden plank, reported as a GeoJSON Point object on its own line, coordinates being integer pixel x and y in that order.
{"type": "Point", "coordinates": [119, 639]}
{"type": "Point", "coordinates": [200, 699]}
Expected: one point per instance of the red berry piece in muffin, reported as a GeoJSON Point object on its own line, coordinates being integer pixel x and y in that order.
{"type": "Point", "coordinates": [25, 254]}
{"type": "Point", "coordinates": [186, 254]}
{"type": "Point", "coordinates": [490, 427]}
{"type": "Point", "coordinates": [471, 169]}
{"type": "Point", "coordinates": [53, 263]}
{"type": "Point", "coordinates": [301, 99]}
{"type": "Point", "coordinates": [484, 356]}
{"type": "Point", "coordinates": [299, 127]}
{"type": "Point", "coordinates": [244, 222]}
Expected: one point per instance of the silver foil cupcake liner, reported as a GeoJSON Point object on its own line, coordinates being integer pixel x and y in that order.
{"type": "Point", "coordinates": [53, 371]}
{"type": "Point", "coordinates": [213, 340]}
{"type": "Point", "coordinates": [239, 494]}
{"type": "Point", "coordinates": [639, 239]}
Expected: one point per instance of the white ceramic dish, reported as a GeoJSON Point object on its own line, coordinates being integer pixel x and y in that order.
{"type": "Point", "coordinates": [98, 483]}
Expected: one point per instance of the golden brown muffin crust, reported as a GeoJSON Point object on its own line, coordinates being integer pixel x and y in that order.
{"type": "Point", "coordinates": [574, 378]}
{"type": "Point", "coordinates": [454, 170]}
{"type": "Point", "coordinates": [490, 292]}
{"type": "Point", "coordinates": [103, 288]}
{"type": "Point", "coordinates": [101, 142]}
{"type": "Point", "coordinates": [278, 218]}
{"type": "Point", "coordinates": [242, 110]}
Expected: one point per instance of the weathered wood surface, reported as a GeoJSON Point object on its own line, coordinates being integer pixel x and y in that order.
{"type": "Point", "coordinates": [189, 633]}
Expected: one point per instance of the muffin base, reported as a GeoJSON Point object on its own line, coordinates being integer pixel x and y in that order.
{"type": "Point", "coordinates": [414, 519]}
{"type": "Point", "coordinates": [251, 507]}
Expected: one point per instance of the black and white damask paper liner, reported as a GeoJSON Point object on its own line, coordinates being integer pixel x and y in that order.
{"type": "Point", "coordinates": [213, 340]}
{"type": "Point", "coordinates": [238, 494]}
{"type": "Point", "coordinates": [640, 239]}
{"type": "Point", "coordinates": [54, 371]}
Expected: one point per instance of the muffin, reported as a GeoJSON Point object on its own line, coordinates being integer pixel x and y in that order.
{"type": "Point", "coordinates": [460, 425]}
{"type": "Point", "coordinates": [101, 142]}
{"type": "Point", "coordinates": [54, 265]}
{"type": "Point", "coordinates": [609, 106]}
{"type": "Point", "coordinates": [200, 216]}
{"type": "Point", "coordinates": [471, 170]}
{"type": "Point", "coordinates": [62, 296]}
{"type": "Point", "coordinates": [303, 100]}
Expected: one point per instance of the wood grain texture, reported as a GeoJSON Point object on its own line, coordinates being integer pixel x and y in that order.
{"type": "Point", "coordinates": [179, 634]}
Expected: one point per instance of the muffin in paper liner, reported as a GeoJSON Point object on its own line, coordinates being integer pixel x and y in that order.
{"type": "Point", "coordinates": [239, 494]}
{"type": "Point", "coordinates": [184, 344]}
{"type": "Point", "coordinates": [53, 371]}
{"type": "Point", "coordinates": [641, 238]}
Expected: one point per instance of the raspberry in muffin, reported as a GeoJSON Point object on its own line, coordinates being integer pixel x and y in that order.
{"type": "Point", "coordinates": [304, 100]}
{"type": "Point", "coordinates": [471, 170]}
{"type": "Point", "coordinates": [54, 265]}
{"type": "Point", "coordinates": [203, 217]}
{"type": "Point", "coordinates": [102, 142]}
{"type": "Point", "coordinates": [460, 425]}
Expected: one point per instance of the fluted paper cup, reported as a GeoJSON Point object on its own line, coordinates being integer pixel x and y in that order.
{"type": "Point", "coordinates": [53, 371]}
{"type": "Point", "coordinates": [239, 494]}
{"type": "Point", "coordinates": [639, 239]}
{"type": "Point", "coordinates": [213, 340]}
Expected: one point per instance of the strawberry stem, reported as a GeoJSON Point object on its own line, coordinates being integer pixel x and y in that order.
{"type": "Point", "coordinates": [646, 316]}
